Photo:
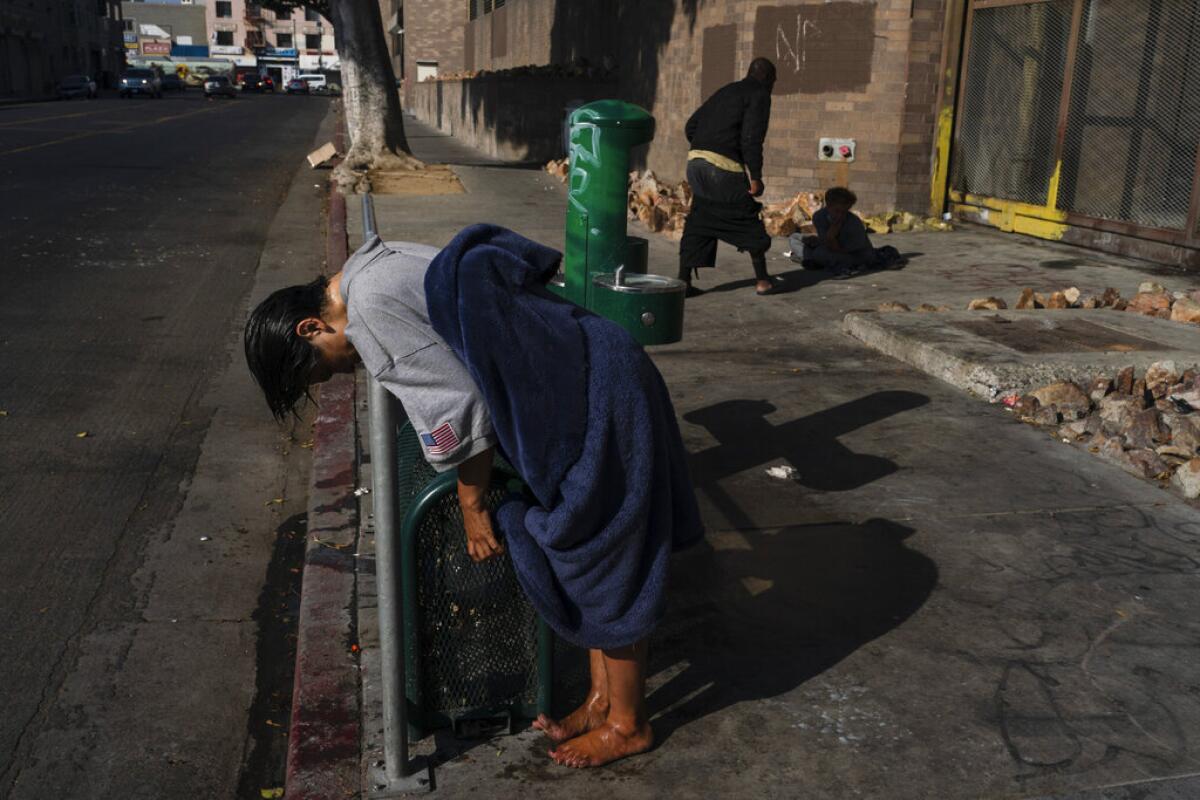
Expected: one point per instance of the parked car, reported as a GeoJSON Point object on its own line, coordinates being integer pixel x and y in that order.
{"type": "Point", "coordinates": [140, 81]}
{"type": "Point", "coordinates": [173, 83]}
{"type": "Point", "coordinates": [314, 80]}
{"type": "Point", "coordinates": [76, 86]}
{"type": "Point", "coordinates": [297, 86]}
{"type": "Point", "coordinates": [219, 86]}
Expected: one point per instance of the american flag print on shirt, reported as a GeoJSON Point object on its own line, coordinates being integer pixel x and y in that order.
{"type": "Point", "coordinates": [442, 440]}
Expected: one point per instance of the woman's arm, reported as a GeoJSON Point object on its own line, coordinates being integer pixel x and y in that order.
{"type": "Point", "coordinates": [474, 477]}
{"type": "Point", "coordinates": [831, 236]}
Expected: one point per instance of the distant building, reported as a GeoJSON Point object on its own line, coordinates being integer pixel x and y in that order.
{"type": "Point", "coordinates": [281, 46]}
{"type": "Point", "coordinates": [165, 29]}
{"type": "Point", "coordinates": [43, 41]}
{"type": "Point", "coordinates": [424, 38]}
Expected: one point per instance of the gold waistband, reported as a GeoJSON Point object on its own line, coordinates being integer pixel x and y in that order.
{"type": "Point", "coordinates": [716, 159]}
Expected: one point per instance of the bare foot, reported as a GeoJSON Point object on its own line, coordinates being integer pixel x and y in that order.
{"type": "Point", "coordinates": [603, 745]}
{"type": "Point", "coordinates": [591, 714]}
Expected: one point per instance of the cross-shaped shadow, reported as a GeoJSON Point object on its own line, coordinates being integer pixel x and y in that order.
{"type": "Point", "coordinates": [747, 439]}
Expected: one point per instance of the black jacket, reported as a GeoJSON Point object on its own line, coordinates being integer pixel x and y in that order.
{"type": "Point", "coordinates": [733, 122]}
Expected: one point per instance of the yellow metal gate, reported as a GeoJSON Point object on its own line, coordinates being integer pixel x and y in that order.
{"type": "Point", "coordinates": [1080, 116]}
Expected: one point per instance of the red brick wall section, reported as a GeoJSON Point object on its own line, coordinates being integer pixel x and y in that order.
{"type": "Point", "coordinates": [862, 70]}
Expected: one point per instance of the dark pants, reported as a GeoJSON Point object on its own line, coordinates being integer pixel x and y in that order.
{"type": "Point", "coordinates": [722, 210]}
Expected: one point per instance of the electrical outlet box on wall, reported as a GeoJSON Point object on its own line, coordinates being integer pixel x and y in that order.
{"type": "Point", "coordinates": [831, 149]}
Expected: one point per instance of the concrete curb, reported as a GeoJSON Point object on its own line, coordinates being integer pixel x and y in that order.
{"type": "Point", "coordinates": [325, 732]}
{"type": "Point", "coordinates": [975, 360]}
{"type": "Point", "coordinates": [871, 330]}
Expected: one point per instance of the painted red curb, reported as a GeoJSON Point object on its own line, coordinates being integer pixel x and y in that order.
{"type": "Point", "coordinates": [325, 732]}
{"type": "Point", "coordinates": [336, 249]}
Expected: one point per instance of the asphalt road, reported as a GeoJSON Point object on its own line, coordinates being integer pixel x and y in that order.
{"type": "Point", "coordinates": [134, 457]}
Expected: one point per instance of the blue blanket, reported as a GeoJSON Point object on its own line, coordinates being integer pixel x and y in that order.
{"type": "Point", "coordinates": [585, 418]}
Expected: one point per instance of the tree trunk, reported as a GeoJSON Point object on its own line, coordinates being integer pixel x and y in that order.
{"type": "Point", "coordinates": [372, 104]}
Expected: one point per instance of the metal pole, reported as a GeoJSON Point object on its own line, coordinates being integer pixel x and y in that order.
{"type": "Point", "coordinates": [382, 411]}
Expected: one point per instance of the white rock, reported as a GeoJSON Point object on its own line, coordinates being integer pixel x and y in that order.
{"type": "Point", "coordinates": [1187, 478]}
{"type": "Point", "coordinates": [784, 473]}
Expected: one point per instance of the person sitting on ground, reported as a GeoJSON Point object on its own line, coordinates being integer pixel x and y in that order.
{"type": "Point", "coordinates": [485, 359]}
{"type": "Point", "coordinates": [841, 245]}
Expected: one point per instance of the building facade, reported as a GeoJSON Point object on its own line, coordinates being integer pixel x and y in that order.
{"type": "Point", "coordinates": [279, 45]}
{"type": "Point", "coordinates": [43, 41]}
{"type": "Point", "coordinates": [1073, 120]}
{"type": "Point", "coordinates": [425, 39]}
{"type": "Point", "coordinates": [165, 29]}
{"type": "Point", "coordinates": [864, 71]}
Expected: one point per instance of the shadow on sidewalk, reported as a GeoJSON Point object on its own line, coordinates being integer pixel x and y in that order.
{"type": "Point", "coordinates": [759, 614]}
{"type": "Point", "coordinates": [747, 439]}
{"type": "Point", "coordinates": [755, 613]}
{"type": "Point", "coordinates": [802, 278]}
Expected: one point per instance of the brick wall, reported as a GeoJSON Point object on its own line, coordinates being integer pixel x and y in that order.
{"type": "Point", "coordinates": [863, 70]}
{"type": "Point", "coordinates": [433, 31]}
{"type": "Point", "coordinates": [511, 118]}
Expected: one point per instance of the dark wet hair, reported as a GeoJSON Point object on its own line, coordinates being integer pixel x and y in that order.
{"type": "Point", "coordinates": [280, 359]}
{"type": "Point", "coordinates": [762, 70]}
{"type": "Point", "coordinates": [841, 196]}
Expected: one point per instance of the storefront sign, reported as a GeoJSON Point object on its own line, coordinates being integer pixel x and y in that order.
{"type": "Point", "coordinates": [130, 37]}
{"type": "Point", "coordinates": [277, 52]}
{"type": "Point", "coordinates": [156, 48]}
{"type": "Point", "coordinates": [224, 50]}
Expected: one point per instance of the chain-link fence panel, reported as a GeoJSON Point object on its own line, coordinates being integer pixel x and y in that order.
{"type": "Point", "coordinates": [1134, 124]}
{"type": "Point", "coordinates": [1010, 101]}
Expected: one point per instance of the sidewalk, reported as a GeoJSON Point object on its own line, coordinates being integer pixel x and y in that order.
{"type": "Point", "coordinates": [943, 602]}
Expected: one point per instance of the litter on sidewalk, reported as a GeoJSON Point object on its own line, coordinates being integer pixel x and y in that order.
{"type": "Point", "coordinates": [322, 155]}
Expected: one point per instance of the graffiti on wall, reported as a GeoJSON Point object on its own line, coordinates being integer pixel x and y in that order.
{"type": "Point", "coordinates": [825, 47]}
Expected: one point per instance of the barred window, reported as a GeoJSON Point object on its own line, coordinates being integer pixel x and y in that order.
{"type": "Point", "coordinates": [477, 7]}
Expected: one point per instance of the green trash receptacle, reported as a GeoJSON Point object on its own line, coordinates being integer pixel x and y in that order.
{"type": "Point", "coordinates": [477, 657]}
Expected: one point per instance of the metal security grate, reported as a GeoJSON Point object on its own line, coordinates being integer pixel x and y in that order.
{"type": "Point", "coordinates": [478, 635]}
{"type": "Point", "coordinates": [1010, 101]}
{"type": "Point", "coordinates": [1134, 124]}
{"type": "Point", "coordinates": [471, 639]}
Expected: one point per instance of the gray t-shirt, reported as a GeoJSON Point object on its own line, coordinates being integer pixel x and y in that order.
{"type": "Point", "coordinates": [383, 286]}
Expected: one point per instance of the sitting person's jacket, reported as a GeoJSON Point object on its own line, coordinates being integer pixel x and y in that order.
{"type": "Point", "coordinates": [852, 237]}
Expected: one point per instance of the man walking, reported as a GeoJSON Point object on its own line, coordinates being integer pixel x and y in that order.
{"type": "Point", "coordinates": [726, 136]}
